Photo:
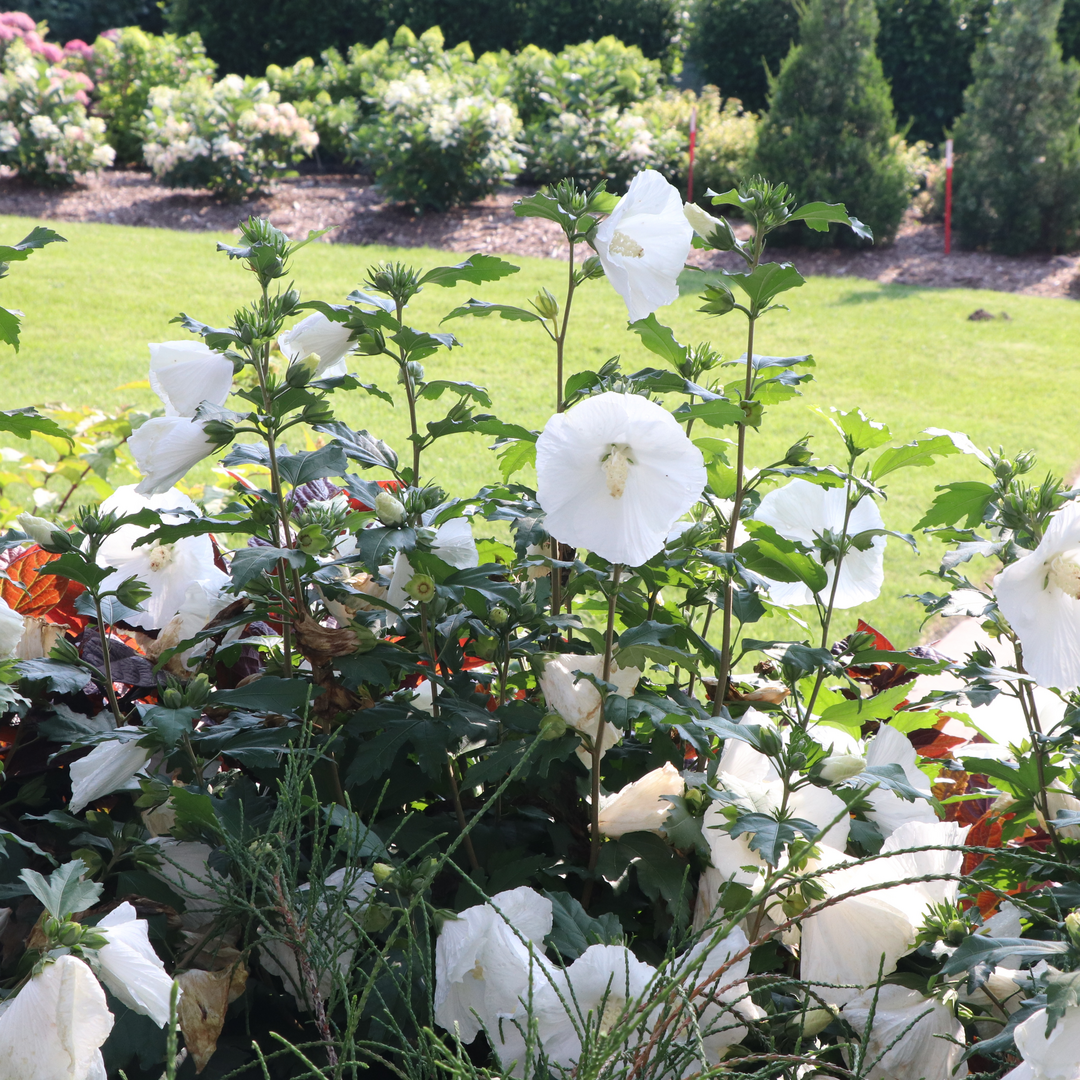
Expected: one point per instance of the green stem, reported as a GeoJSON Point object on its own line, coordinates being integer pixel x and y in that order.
{"type": "Point", "coordinates": [106, 663]}
{"type": "Point", "coordinates": [729, 543]}
{"type": "Point", "coordinates": [598, 740]}
{"type": "Point", "coordinates": [455, 791]}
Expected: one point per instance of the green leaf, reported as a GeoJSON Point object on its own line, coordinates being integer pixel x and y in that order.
{"type": "Point", "coordinates": [269, 695]}
{"type": "Point", "coordinates": [75, 566]}
{"type": "Point", "coordinates": [434, 390]}
{"type": "Point", "coordinates": [776, 557]}
{"type": "Point", "coordinates": [476, 269]}
{"type": "Point", "coordinates": [359, 446]}
{"type": "Point", "coordinates": [481, 308]}
{"type": "Point", "coordinates": [716, 413]}
{"type": "Point", "coordinates": [195, 816]}
{"type": "Point", "coordinates": [819, 215]}
{"type": "Point", "coordinates": [542, 205]}
{"type": "Point", "coordinates": [573, 930]}
{"type": "Point", "coordinates": [661, 872]}
{"type": "Point", "coordinates": [60, 677]}
{"type": "Point", "coordinates": [978, 950]}
{"type": "Point", "coordinates": [64, 892]}
{"type": "Point", "coordinates": [300, 468]}
{"type": "Point", "coordinates": [514, 456]}
{"type": "Point", "coordinates": [38, 237]}
{"type": "Point", "coordinates": [860, 433]}
{"type": "Point", "coordinates": [771, 836]}
{"type": "Point", "coordinates": [851, 715]}
{"type": "Point", "coordinates": [767, 281]}
{"type": "Point", "coordinates": [916, 455]}
{"type": "Point", "coordinates": [660, 339]}
{"type": "Point", "coordinates": [171, 724]}
{"type": "Point", "coordinates": [965, 500]}
{"type": "Point", "coordinates": [419, 344]}
{"type": "Point", "coordinates": [249, 563]}
{"type": "Point", "coordinates": [891, 776]}
{"type": "Point", "coordinates": [10, 324]}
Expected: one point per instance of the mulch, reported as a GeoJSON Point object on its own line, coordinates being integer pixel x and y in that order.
{"type": "Point", "coordinates": [352, 207]}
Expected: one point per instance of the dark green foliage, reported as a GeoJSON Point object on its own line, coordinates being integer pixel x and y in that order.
{"type": "Point", "coordinates": [85, 19]}
{"type": "Point", "coordinates": [925, 48]}
{"type": "Point", "coordinates": [830, 130]}
{"type": "Point", "coordinates": [1068, 33]}
{"type": "Point", "coordinates": [1018, 169]}
{"type": "Point", "coordinates": [246, 35]}
{"type": "Point", "coordinates": [734, 40]}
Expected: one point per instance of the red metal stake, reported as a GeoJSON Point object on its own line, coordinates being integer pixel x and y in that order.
{"type": "Point", "coordinates": [693, 142]}
{"type": "Point", "coordinates": [948, 195]}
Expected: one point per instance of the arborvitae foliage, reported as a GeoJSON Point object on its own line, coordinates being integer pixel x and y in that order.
{"type": "Point", "coordinates": [1018, 143]}
{"type": "Point", "coordinates": [830, 128]}
{"type": "Point", "coordinates": [735, 41]}
{"type": "Point", "coordinates": [925, 48]}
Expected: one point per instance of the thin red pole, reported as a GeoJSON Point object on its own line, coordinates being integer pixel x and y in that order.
{"type": "Point", "coordinates": [948, 195]}
{"type": "Point", "coordinates": [693, 142]}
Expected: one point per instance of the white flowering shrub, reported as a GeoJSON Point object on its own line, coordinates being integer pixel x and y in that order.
{"type": "Point", "coordinates": [45, 132]}
{"type": "Point", "coordinates": [125, 66]}
{"type": "Point", "coordinates": [436, 142]}
{"type": "Point", "coordinates": [233, 136]}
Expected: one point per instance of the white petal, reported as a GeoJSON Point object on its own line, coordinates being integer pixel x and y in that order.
{"type": "Point", "coordinates": [165, 447]}
{"type": "Point", "coordinates": [109, 766]}
{"type": "Point", "coordinates": [890, 811]}
{"type": "Point", "coordinates": [916, 1049]}
{"type": "Point", "coordinates": [129, 967]}
{"type": "Point", "coordinates": [56, 1025]}
{"type": "Point", "coordinates": [665, 478]}
{"type": "Point", "coordinates": [185, 870]}
{"type": "Point", "coordinates": [184, 374]}
{"type": "Point", "coordinates": [12, 627]}
{"type": "Point", "coordinates": [454, 544]}
{"type": "Point", "coordinates": [318, 334]}
{"type": "Point", "coordinates": [643, 805]}
{"type": "Point", "coordinates": [1053, 1057]}
{"type": "Point", "coordinates": [1046, 619]}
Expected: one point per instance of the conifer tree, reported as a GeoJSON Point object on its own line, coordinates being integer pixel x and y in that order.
{"type": "Point", "coordinates": [1018, 140]}
{"type": "Point", "coordinates": [830, 132]}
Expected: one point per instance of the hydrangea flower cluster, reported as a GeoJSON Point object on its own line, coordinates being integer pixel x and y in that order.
{"type": "Point", "coordinates": [435, 141]}
{"type": "Point", "coordinates": [232, 136]}
{"type": "Point", "coordinates": [45, 132]}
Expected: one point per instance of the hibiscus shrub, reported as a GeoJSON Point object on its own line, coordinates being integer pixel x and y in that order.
{"type": "Point", "coordinates": [591, 772]}
{"type": "Point", "coordinates": [234, 136]}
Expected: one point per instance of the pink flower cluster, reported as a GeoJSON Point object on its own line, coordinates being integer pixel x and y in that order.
{"type": "Point", "coordinates": [17, 24]}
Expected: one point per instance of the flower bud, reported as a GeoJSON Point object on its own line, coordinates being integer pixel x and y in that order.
{"type": "Point", "coordinates": [421, 588]}
{"type": "Point", "coordinates": [172, 698]}
{"type": "Point", "coordinates": [38, 529]}
{"type": "Point", "coordinates": [798, 454]}
{"type": "Point", "coordinates": [219, 431]}
{"type": "Point", "coordinates": [388, 509]}
{"type": "Point", "coordinates": [956, 931]}
{"type": "Point", "coordinates": [498, 615]}
{"type": "Point", "coordinates": [838, 767]}
{"type": "Point", "coordinates": [1072, 927]}
{"type": "Point", "coordinates": [552, 727]}
{"type": "Point", "coordinates": [817, 1020]}
{"type": "Point", "coordinates": [311, 539]}
{"type": "Point", "coordinates": [546, 305]}
{"type": "Point", "coordinates": [718, 300]}
{"type": "Point", "coordinates": [69, 933]}
{"type": "Point", "coordinates": [317, 412]}
{"type": "Point", "coordinates": [302, 371]}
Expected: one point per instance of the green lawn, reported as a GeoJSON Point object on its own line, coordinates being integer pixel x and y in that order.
{"type": "Point", "coordinates": [907, 356]}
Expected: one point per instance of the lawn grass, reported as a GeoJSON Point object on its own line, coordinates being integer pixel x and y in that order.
{"type": "Point", "coordinates": [908, 356]}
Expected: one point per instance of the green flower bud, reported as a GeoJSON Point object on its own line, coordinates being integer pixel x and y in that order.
{"type": "Point", "coordinates": [421, 588]}
{"type": "Point", "coordinates": [302, 371]}
{"type": "Point", "coordinates": [382, 872]}
{"type": "Point", "coordinates": [172, 698]}
{"type": "Point", "coordinates": [317, 412]}
{"type": "Point", "coordinates": [799, 454]}
{"type": "Point", "coordinates": [69, 933]}
{"type": "Point", "coordinates": [220, 431]}
{"type": "Point", "coordinates": [552, 727]}
{"type": "Point", "coordinates": [546, 305]}
{"type": "Point", "coordinates": [718, 300]}
{"type": "Point", "coordinates": [697, 800]}
{"type": "Point", "coordinates": [956, 931]}
{"type": "Point", "coordinates": [312, 540]}
{"type": "Point", "coordinates": [498, 615]}
{"type": "Point", "coordinates": [198, 691]}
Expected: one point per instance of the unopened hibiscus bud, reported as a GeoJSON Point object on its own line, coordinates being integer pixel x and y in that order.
{"type": "Point", "coordinates": [798, 454]}
{"type": "Point", "coordinates": [838, 767]}
{"type": "Point", "coordinates": [312, 540]}
{"type": "Point", "coordinates": [302, 371]}
{"type": "Point", "coordinates": [718, 300]}
{"type": "Point", "coordinates": [956, 931]}
{"type": "Point", "coordinates": [421, 588]}
{"type": "Point", "coordinates": [388, 509]}
{"type": "Point", "coordinates": [546, 304]}
{"type": "Point", "coordinates": [219, 432]}
{"type": "Point", "coordinates": [38, 529]}
{"type": "Point", "coordinates": [317, 412]}
{"type": "Point", "coordinates": [382, 872]}
{"type": "Point", "coordinates": [552, 727]}
{"type": "Point", "coordinates": [172, 698]}
{"type": "Point", "coordinates": [1072, 927]}
{"type": "Point", "coordinates": [715, 231]}
{"type": "Point", "coordinates": [498, 615]}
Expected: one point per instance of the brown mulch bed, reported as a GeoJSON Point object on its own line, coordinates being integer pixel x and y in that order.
{"type": "Point", "coordinates": [349, 202]}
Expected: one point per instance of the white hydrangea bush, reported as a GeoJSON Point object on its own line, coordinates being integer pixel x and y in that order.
{"type": "Point", "coordinates": [233, 136]}
{"type": "Point", "coordinates": [438, 141]}
{"type": "Point", "coordinates": [610, 145]}
{"type": "Point", "coordinates": [45, 133]}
